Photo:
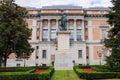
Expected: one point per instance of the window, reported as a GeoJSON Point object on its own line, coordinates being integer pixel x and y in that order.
{"type": "Point", "coordinates": [45, 35]}
{"type": "Point", "coordinates": [37, 52]}
{"type": "Point", "coordinates": [79, 53]}
{"type": "Point", "coordinates": [18, 65]}
{"type": "Point", "coordinates": [44, 54]}
{"type": "Point", "coordinates": [86, 23]}
{"type": "Point", "coordinates": [37, 33]}
{"type": "Point", "coordinates": [79, 34]}
{"type": "Point", "coordinates": [53, 34]}
{"type": "Point", "coordinates": [103, 33]}
{"type": "Point", "coordinates": [30, 37]}
{"type": "Point", "coordinates": [36, 64]}
{"type": "Point", "coordinates": [37, 47]}
{"type": "Point", "coordinates": [71, 34]}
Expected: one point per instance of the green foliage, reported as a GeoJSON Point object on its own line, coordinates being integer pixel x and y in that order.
{"type": "Point", "coordinates": [16, 69]}
{"type": "Point", "coordinates": [96, 75]}
{"type": "Point", "coordinates": [52, 63]}
{"type": "Point", "coordinates": [113, 43]}
{"type": "Point", "coordinates": [27, 75]}
{"type": "Point", "coordinates": [14, 34]}
{"type": "Point", "coordinates": [100, 68]}
{"type": "Point", "coordinates": [84, 66]}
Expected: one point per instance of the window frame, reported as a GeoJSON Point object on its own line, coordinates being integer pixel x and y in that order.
{"type": "Point", "coordinates": [71, 34]}
{"type": "Point", "coordinates": [80, 34]}
{"type": "Point", "coordinates": [45, 34]}
{"type": "Point", "coordinates": [44, 54]}
{"type": "Point", "coordinates": [53, 34]}
{"type": "Point", "coordinates": [80, 54]}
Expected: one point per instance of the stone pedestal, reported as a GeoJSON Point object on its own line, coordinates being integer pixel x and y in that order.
{"type": "Point", "coordinates": [63, 42]}
{"type": "Point", "coordinates": [63, 61]}
{"type": "Point", "coordinates": [63, 58]}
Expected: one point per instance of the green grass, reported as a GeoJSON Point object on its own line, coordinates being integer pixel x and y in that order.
{"type": "Point", "coordinates": [65, 75]}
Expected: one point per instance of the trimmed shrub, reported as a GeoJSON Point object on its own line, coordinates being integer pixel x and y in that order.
{"type": "Point", "coordinates": [27, 75]}
{"type": "Point", "coordinates": [96, 75]}
{"type": "Point", "coordinates": [16, 69]}
{"type": "Point", "coordinates": [84, 66]}
{"type": "Point", "coordinates": [100, 68]}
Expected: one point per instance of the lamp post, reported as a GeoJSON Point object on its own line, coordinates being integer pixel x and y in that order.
{"type": "Point", "coordinates": [24, 58]}
{"type": "Point", "coordinates": [99, 53]}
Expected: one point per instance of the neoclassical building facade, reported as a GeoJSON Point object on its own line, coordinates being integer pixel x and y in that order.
{"type": "Point", "coordinates": [88, 29]}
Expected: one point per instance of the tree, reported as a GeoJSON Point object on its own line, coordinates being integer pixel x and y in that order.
{"type": "Point", "coordinates": [14, 34]}
{"type": "Point", "coordinates": [113, 43]}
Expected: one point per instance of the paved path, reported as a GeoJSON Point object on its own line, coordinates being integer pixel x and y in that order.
{"type": "Point", "coordinates": [65, 75]}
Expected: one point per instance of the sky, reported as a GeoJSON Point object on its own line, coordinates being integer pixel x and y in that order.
{"type": "Point", "coordinates": [83, 3]}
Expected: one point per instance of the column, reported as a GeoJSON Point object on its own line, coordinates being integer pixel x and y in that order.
{"type": "Point", "coordinates": [90, 34]}
{"type": "Point", "coordinates": [91, 55]}
{"type": "Point", "coordinates": [75, 30]}
{"type": "Point", "coordinates": [57, 27]}
{"type": "Point", "coordinates": [68, 27]}
{"type": "Point", "coordinates": [49, 29]}
{"type": "Point", "coordinates": [84, 54]}
{"type": "Point", "coordinates": [41, 30]}
{"type": "Point", "coordinates": [83, 31]}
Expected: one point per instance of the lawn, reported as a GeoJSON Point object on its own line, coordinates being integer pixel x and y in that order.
{"type": "Point", "coordinates": [65, 75]}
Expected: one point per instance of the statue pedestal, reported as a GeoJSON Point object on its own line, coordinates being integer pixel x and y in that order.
{"type": "Point", "coordinates": [63, 59]}
{"type": "Point", "coordinates": [63, 43]}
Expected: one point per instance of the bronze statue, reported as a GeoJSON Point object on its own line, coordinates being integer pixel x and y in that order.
{"type": "Point", "coordinates": [63, 22]}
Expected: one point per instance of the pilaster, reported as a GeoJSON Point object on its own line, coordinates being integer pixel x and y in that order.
{"type": "Point", "coordinates": [75, 30]}
{"type": "Point", "coordinates": [83, 31]}
{"type": "Point", "coordinates": [57, 28]}
{"type": "Point", "coordinates": [41, 30]}
{"type": "Point", "coordinates": [49, 29]}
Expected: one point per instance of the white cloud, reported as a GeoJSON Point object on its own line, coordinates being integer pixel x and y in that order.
{"type": "Point", "coordinates": [83, 3]}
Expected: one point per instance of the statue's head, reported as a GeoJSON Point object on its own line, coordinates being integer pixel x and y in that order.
{"type": "Point", "coordinates": [64, 13]}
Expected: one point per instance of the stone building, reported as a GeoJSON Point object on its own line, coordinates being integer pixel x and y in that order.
{"type": "Point", "coordinates": [88, 29]}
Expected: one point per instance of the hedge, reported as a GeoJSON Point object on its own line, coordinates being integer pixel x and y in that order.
{"type": "Point", "coordinates": [96, 75]}
{"type": "Point", "coordinates": [16, 69]}
{"type": "Point", "coordinates": [98, 68]}
{"type": "Point", "coordinates": [21, 69]}
{"type": "Point", "coordinates": [27, 76]}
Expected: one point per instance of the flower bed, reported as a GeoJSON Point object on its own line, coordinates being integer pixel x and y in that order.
{"type": "Point", "coordinates": [88, 70]}
{"type": "Point", "coordinates": [38, 71]}
{"type": "Point", "coordinates": [32, 74]}
{"type": "Point", "coordinates": [95, 75]}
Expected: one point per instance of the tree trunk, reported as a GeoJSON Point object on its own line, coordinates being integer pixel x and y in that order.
{"type": "Point", "coordinates": [0, 64]}
{"type": "Point", "coordinates": [4, 62]}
